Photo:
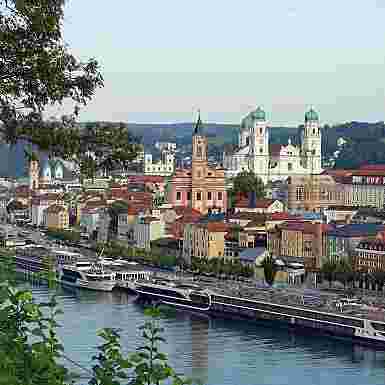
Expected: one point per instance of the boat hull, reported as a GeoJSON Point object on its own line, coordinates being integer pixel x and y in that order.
{"type": "Point", "coordinates": [271, 319]}
{"type": "Point", "coordinates": [97, 286]}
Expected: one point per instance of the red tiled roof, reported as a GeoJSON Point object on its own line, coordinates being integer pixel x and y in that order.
{"type": "Point", "coordinates": [132, 210]}
{"type": "Point", "coordinates": [370, 172]}
{"type": "Point", "coordinates": [304, 226]}
{"type": "Point", "coordinates": [377, 167]}
{"type": "Point", "coordinates": [216, 227]}
{"type": "Point", "coordinates": [140, 179]}
{"type": "Point", "coordinates": [337, 172]}
{"type": "Point", "coordinates": [182, 211]}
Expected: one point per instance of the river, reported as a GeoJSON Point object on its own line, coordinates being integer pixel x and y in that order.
{"type": "Point", "coordinates": [218, 352]}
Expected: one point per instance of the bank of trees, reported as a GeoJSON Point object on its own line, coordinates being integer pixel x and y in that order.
{"type": "Point", "coordinates": [153, 256]}
{"type": "Point", "coordinates": [64, 235]}
{"type": "Point", "coordinates": [342, 271]}
{"type": "Point", "coordinates": [220, 267]}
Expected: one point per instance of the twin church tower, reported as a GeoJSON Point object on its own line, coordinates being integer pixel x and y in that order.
{"type": "Point", "coordinates": [274, 162]}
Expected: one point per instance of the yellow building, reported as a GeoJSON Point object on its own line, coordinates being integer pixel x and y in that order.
{"type": "Point", "coordinates": [204, 240]}
{"type": "Point", "coordinates": [57, 217]}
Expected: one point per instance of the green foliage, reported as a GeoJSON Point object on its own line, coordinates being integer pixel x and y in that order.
{"type": "Point", "coordinates": [31, 353]}
{"type": "Point", "coordinates": [150, 365]}
{"type": "Point", "coordinates": [220, 266]}
{"type": "Point", "coordinates": [328, 270]}
{"type": "Point", "coordinates": [246, 182]}
{"type": "Point", "coordinates": [7, 265]}
{"type": "Point", "coordinates": [64, 235]}
{"type": "Point", "coordinates": [269, 270]}
{"type": "Point", "coordinates": [37, 70]}
{"type": "Point", "coordinates": [29, 347]}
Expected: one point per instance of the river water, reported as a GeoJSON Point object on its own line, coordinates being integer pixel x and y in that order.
{"type": "Point", "coordinates": [218, 352]}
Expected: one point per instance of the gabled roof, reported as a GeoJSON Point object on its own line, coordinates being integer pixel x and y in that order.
{"type": "Point", "coordinates": [216, 227]}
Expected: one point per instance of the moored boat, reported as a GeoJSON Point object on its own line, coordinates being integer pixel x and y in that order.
{"type": "Point", "coordinates": [311, 315]}
{"type": "Point", "coordinates": [92, 277]}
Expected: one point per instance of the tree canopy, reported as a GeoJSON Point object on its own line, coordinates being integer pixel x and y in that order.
{"type": "Point", "coordinates": [36, 71]}
{"type": "Point", "coordinates": [247, 181]}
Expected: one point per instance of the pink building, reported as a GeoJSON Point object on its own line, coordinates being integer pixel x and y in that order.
{"type": "Point", "coordinates": [201, 187]}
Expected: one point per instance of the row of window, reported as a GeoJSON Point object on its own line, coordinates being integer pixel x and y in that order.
{"type": "Point", "coordinates": [199, 195]}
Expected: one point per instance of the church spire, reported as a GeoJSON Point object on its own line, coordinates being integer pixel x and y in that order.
{"type": "Point", "coordinates": [198, 126]}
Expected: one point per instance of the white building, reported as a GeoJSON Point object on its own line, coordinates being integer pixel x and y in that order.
{"type": "Point", "coordinates": [165, 166]}
{"type": "Point", "coordinates": [168, 146]}
{"type": "Point", "coordinates": [274, 162]}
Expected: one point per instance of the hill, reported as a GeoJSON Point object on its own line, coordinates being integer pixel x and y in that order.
{"type": "Point", "coordinates": [365, 141]}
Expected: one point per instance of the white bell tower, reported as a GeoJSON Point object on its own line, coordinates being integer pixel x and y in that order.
{"type": "Point", "coordinates": [259, 145]}
{"type": "Point", "coordinates": [311, 145]}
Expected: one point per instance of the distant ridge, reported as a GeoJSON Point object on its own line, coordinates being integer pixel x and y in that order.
{"type": "Point", "coordinates": [366, 141]}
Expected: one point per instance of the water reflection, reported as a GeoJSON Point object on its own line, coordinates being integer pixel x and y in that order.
{"type": "Point", "coordinates": [199, 347]}
{"type": "Point", "coordinates": [217, 351]}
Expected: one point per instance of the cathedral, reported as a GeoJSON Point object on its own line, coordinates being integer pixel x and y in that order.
{"type": "Point", "coordinates": [274, 162]}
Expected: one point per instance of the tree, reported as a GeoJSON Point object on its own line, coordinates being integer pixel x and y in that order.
{"type": "Point", "coordinates": [328, 270]}
{"type": "Point", "coordinates": [269, 269]}
{"type": "Point", "coordinates": [247, 182]}
{"type": "Point", "coordinates": [344, 271]}
{"type": "Point", "coordinates": [37, 70]}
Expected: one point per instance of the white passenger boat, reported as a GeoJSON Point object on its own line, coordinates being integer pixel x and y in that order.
{"type": "Point", "coordinates": [91, 276]}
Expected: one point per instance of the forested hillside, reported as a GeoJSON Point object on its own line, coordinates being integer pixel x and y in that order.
{"type": "Point", "coordinates": [365, 141]}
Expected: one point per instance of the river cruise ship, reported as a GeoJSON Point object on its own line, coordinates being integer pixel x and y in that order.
{"type": "Point", "coordinates": [335, 317]}
{"type": "Point", "coordinates": [39, 259]}
{"type": "Point", "coordinates": [85, 275]}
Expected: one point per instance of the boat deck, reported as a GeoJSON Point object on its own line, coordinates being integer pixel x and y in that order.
{"type": "Point", "coordinates": [314, 299]}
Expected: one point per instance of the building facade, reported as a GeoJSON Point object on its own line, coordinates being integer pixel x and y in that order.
{"type": "Point", "coordinates": [165, 166]}
{"type": "Point", "coordinates": [274, 162]}
{"type": "Point", "coordinates": [369, 256]}
{"type": "Point", "coordinates": [314, 193]}
{"type": "Point", "coordinates": [202, 187]}
{"type": "Point", "coordinates": [204, 240]}
{"type": "Point", "coordinates": [56, 217]}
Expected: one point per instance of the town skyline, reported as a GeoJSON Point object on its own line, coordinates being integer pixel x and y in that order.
{"type": "Point", "coordinates": [172, 68]}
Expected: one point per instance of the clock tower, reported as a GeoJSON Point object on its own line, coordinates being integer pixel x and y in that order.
{"type": "Point", "coordinates": [199, 168]}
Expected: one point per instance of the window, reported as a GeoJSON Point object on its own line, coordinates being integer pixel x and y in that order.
{"type": "Point", "coordinates": [313, 131]}
{"type": "Point", "coordinates": [209, 197]}
{"type": "Point", "coordinates": [178, 195]}
{"type": "Point", "coordinates": [189, 195]}
{"type": "Point", "coordinates": [199, 196]}
{"type": "Point", "coordinates": [261, 150]}
{"type": "Point", "coordinates": [219, 195]}
{"type": "Point", "coordinates": [261, 130]}
{"type": "Point", "coordinates": [289, 166]}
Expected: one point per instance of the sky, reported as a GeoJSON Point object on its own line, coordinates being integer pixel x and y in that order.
{"type": "Point", "coordinates": [164, 60]}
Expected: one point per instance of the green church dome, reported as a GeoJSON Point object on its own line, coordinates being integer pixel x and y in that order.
{"type": "Point", "coordinates": [311, 115]}
{"type": "Point", "coordinates": [259, 114]}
